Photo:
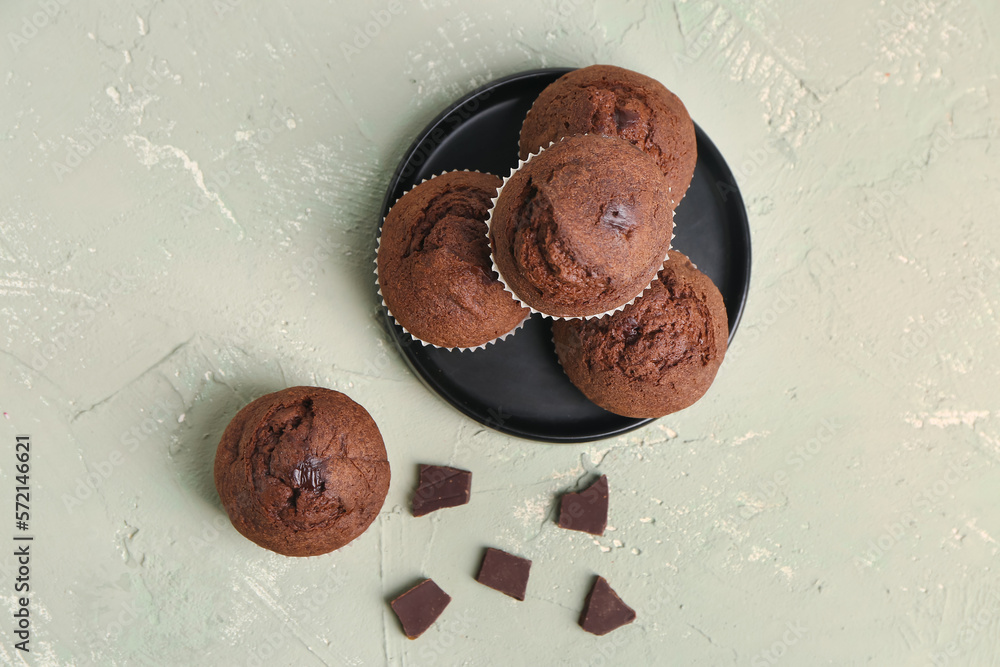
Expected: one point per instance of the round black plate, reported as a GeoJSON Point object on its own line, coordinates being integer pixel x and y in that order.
{"type": "Point", "coordinates": [517, 386]}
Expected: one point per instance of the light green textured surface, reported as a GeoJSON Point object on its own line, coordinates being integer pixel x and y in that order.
{"type": "Point", "coordinates": [834, 499]}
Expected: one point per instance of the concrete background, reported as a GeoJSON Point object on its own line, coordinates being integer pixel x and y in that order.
{"type": "Point", "coordinates": [188, 199]}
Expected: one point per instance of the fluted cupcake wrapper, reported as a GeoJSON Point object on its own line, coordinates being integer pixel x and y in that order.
{"type": "Point", "coordinates": [409, 333]}
{"type": "Point", "coordinates": [506, 286]}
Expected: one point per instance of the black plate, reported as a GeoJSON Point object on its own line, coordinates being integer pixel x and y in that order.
{"type": "Point", "coordinates": [517, 386]}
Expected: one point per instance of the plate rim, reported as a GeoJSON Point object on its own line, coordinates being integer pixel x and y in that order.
{"type": "Point", "coordinates": [428, 129]}
{"type": "Point", "coordinates": [388, 201]}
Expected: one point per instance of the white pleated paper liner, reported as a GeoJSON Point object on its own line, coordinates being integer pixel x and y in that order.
{"type": "Point", "coordinates": [378, 285]}
{"type": "Point", "coordinates": [528, 115]}
{"type": "Point", "coordinates": [506, 286]}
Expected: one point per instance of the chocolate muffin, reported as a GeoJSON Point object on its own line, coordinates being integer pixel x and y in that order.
{"type": "Point", "coordinates": [582, 227]}
{"type": "Point", "coordinates": [302, 471]}
{"type": "Point", "coordinates": [434, 268]}
{"type": "Point", "coordinates": [657, 355]}
{"type": "Point", "coordinates": [602, 99]}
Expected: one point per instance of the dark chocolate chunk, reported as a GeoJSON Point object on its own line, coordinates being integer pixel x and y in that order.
{"type": "Point", "coordinates": [625, 117]}
{"type": "Point", "coordinates": [604, 611]}
{"type": "Point", "coordinates": [419, 607]}
{"type": "Point", "coordinates": [441, 487]}
{"type": "Point", "coordinates": [618, 216]}
{"type": "Point", "coordinates": [586, 511]}
{"type": "Point", "coordinates": [505, 572]}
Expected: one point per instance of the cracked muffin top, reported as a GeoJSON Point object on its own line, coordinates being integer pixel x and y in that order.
{"type": "Point", "coordinates": [602, 99]}
{"type": "Point", "coordinates": [434, 266]}
{"type": "Point", "coordinates": [302, 471]}
{"type": "Point", "coordinates": [657, 355]}
{"type": "Point", "coordinates": [582, 227]}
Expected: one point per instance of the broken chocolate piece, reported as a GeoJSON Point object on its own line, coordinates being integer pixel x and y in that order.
{"type": "Point", "coordinates": [505, 572]}
{"type": "Point", "coordinates": [419, 607]}
{"type": "Point", "coordinates": [440, 487]}
{"type": "Point", "coordinates": [604, 611]}
{"type": "Point", "coordinates": [586, 511]}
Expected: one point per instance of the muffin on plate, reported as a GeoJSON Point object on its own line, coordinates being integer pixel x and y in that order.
{"type": "Point", "coordinates": [657, 355]}
{"type": "Point", "coordinates": [603, 99]}
{"type": "Point", "coordinates": [582, 227]}
{"type": "Point", "coordinates": [433, 265]}
{"type": "Point", "coordinates": [302, 471]}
